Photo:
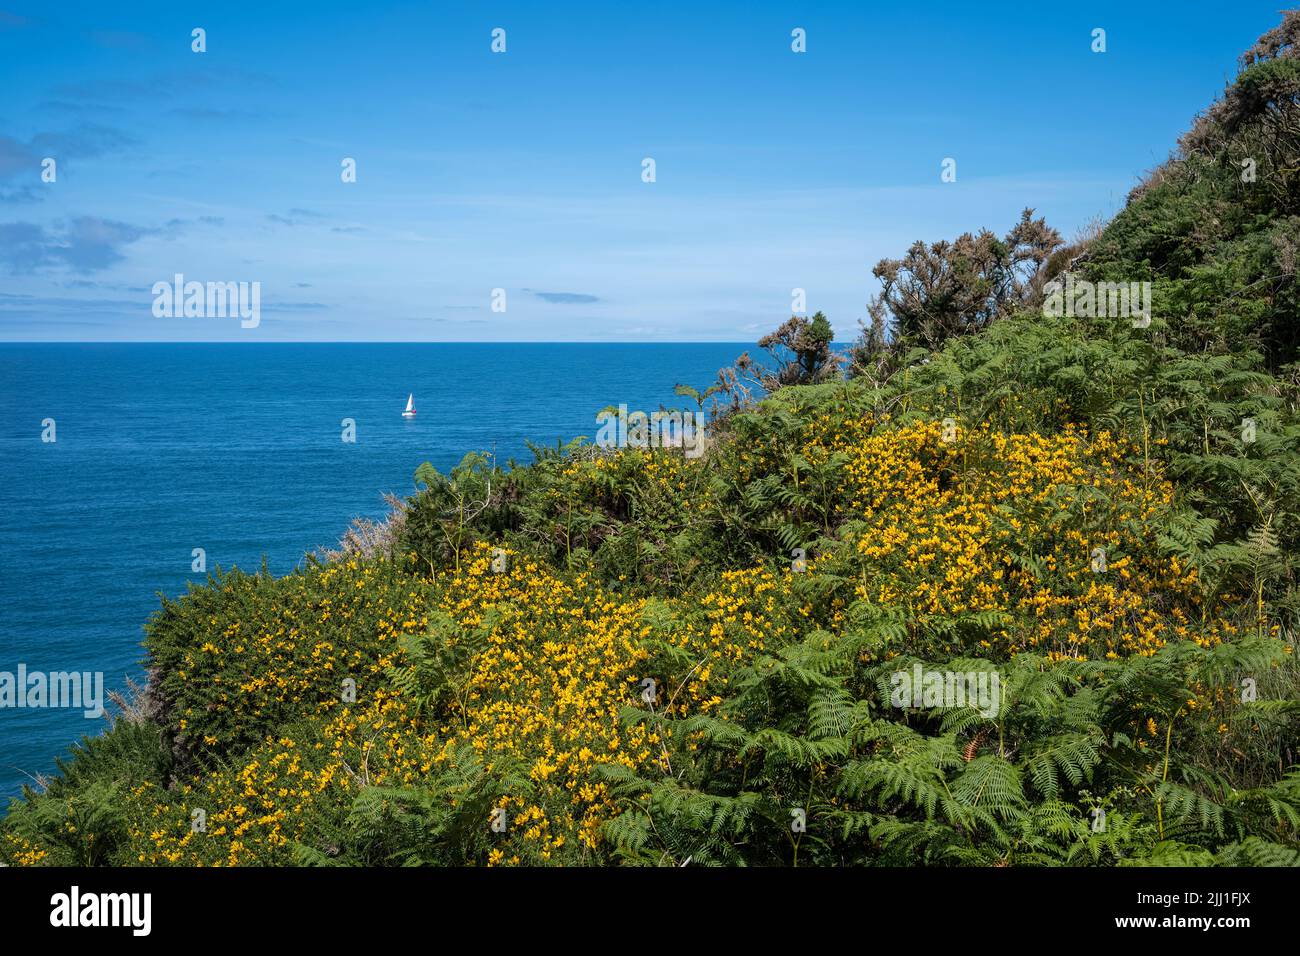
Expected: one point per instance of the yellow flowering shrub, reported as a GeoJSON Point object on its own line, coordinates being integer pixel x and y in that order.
{"type": "Point", "coordinates": [253, 651]}
{"type": "Point", "coordinates": [560, 662]}
{"type": "Point", "coordinates": [1051, 531]}
{"type": "Point", "coordinates": [503, 705]}
{"type": "Point", "coordinates": [554, 665]}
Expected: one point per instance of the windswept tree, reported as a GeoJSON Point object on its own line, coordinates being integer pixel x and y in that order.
{"type": "Point", "coordinates": [801, 354]}
{"type": "Point", "coordinates": [946, 288]}
{"type": "Point", "coordinates": [801, 349]}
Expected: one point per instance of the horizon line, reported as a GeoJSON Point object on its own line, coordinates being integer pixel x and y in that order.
{"type": "Point", "coordinates": [371, 342]}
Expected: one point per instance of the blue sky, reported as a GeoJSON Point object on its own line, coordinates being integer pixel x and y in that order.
{"type": "Point", "coordinates": [522, 170]}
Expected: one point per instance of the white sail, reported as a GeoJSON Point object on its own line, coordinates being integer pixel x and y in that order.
{"type": "Point", "coordinates": [410, 403]}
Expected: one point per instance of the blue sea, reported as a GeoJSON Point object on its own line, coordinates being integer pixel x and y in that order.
{"type": "Point", "coordinates": [236, 449]}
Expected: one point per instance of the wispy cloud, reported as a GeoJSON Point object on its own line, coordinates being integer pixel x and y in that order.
{"type": "Point", "coordinates": [295, 217]}
{"type": "Point", "coordinates": [46, 312]}
{"type": "Point", "coordinates": [565, 298]}
{"type": "Point", "coordinates": [211, 113]}
{"type": "Point", "coordinates": [20, 194]}
{"type": "Point", "coordinates": [163, 85]}
{"type": "Point", "coordinates": [294, 306]}
{"type": "Point", "coordinates": [17, 156]}
{"type": "Point", "coordinates": [84, 244]}
{"type": "Point", "coordinates": [81, 106]}
{"type": "Point", "coordinates": [21, 159]}
{"type": "Point", "coordinates": [119, 39]}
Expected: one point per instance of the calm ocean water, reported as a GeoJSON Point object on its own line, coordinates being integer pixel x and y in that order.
{"type": "Point", "coordinates": [236, 449]}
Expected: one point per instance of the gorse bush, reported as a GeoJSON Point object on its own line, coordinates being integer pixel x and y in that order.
{"type": "Point", "coordinates": [249, 652]}
{"type": "Point", "coordinates": [634, 657]}
{"type": "Point", "coordinates": [1019, 543]}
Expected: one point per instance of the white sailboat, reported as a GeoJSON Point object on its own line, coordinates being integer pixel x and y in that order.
{"type": "Point", "coordinates": [410, 407]}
